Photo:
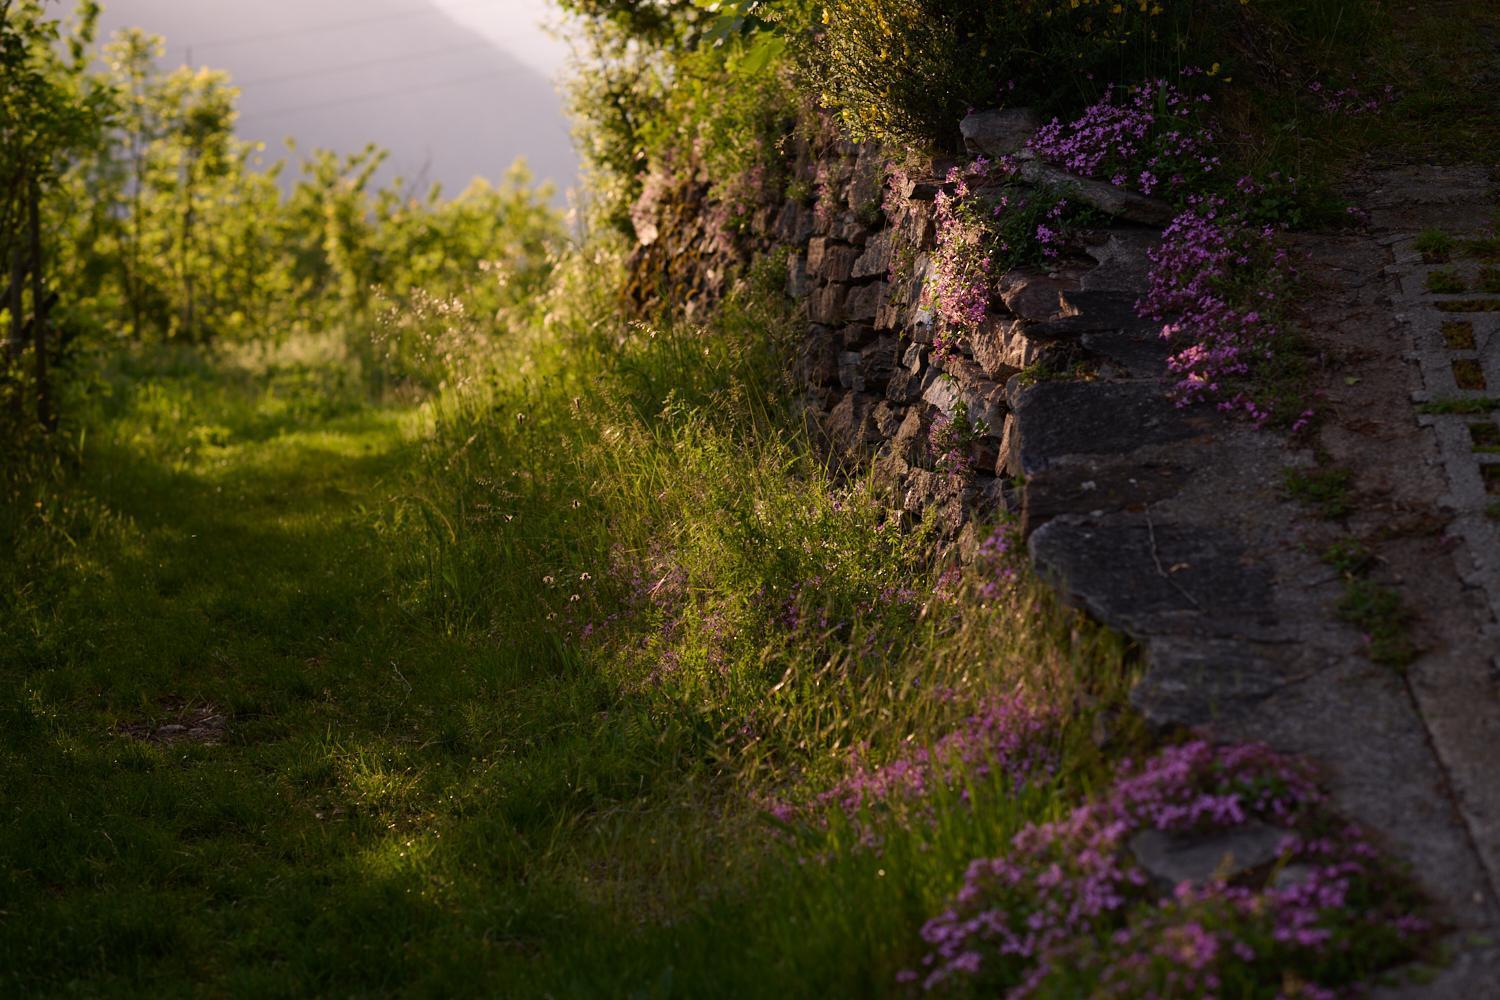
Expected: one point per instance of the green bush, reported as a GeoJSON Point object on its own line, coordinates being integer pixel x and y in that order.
{"type": "Point", "coordinates": [906, 71]}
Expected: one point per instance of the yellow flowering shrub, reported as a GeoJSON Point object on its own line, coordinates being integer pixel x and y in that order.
{"type": "Point", "coordinates": [906, 71]}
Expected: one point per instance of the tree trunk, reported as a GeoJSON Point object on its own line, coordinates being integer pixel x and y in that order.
{"type": "Point", "coordinates": [13, 341]}
{"type": "Point", "coordinates": [187, 248]}
{"type": "Point", "coordinates": [44, 413]}
{"type": "Point", "coordinates": [133, 269]}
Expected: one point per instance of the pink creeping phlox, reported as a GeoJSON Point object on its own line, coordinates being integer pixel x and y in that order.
{"type": "Point", "coordinates": [1006, 736]}
{"type": "Point", "coordinates": [1066, 912]}
{"type": "Point", "coordinates": [1148, 139]}
{"type": "Point", "coordinates": [1214, 285]}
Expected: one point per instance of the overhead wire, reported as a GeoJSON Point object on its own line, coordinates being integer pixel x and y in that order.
{"type": "Point", "coordinates": [339, 102]}
{"type": "Point", "coordinates": [368, 63]}
{"type": "Point", "coordinates": [336, 25]}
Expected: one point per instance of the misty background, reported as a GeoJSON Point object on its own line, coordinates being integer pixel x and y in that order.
{"type": "Point", "coordinates": [454, 89]}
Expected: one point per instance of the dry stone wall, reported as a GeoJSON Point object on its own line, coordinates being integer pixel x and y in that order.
{"type": "Point", "coordinates": [954, 421]}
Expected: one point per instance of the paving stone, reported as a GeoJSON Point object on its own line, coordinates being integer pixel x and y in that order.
{"type": "Point", "coordinates": [1004, 346]}
{"type": "Point", "coordinates": [877, 361]}
{"type": "Point", "coordinates": [1147, 578]}
{"type": "Point", "coordinates": [1106, 485]}
{"type": "Point", "coordinates": [876, 259]}
{"type": "Point", "coordinates": [836, 263]}
{"type": "Point", "coordinates": [851, 372]}
{"type": "Point", "coordinates": [1108, 310]}
{"type": "Point", "coordinates": [798, 284]}
{"type": "Point", "coordinates": [867, 179]}
{"type": "Point", "coordinates": [1140, 352]}
{"type": "Point", "coordinates": [826, 304]}
{"type": "Point", "coordinates": [1219, 855]}
{"type": "Point", "coordinates": [863, 302]}
{"type": "Point", "coordinates": [1195, 682]}
{"type": "Point", "coordinates": [849, 228]}
{"type": "Point", "coordinates": [1123, 261]}
{"type": "Point", "coordinates": [1063, 418]}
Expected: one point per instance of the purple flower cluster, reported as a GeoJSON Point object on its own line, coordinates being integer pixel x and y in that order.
{"type": "Point", "coordinates": [1215, 283]}
{"type": "Point", "coordinates": [1067, 913]}
{"type": "Point", "coordinates": [986, 224]}
{"type": "Point", "coordinates": [1147, 139]}
{"type": "Point", "coordinates": [945, 437]}
{"type": "Point", "coordinates": [962, 262]}
{"type": "Point", "coordinates": [1350, 101]}
{"type": "Point", "coordinates": [1006, 737]}
{"type": "Point", "coordinates": [1196, 786]}
{"type": "Point", "coordinates": [1294, 937]}
{"type": "Point", "coordinates": [995, 563]}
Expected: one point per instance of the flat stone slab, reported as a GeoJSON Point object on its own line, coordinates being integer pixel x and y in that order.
{"type": "Point", "coordinates": [1061, 419]}
{"type": "Point", "coordinates": [1097, 486]}
{"type": "Point", "coordinates": [1106, 198]}
{"type": "Point", "coordinates": [1173, 858]}
{"type": "Point", "coordinates": [1141, 351]}
{"type": "Point", "coordinates": [1148, 578]}
{"type": "Point", "coordinates": [1110, 310]}
{"type": "Point", "coordinates": [1123, 264]}
{"type": "Point", "coordinates": [999, 131]}
{"type": "Point", "coordinates": [1192, 681]}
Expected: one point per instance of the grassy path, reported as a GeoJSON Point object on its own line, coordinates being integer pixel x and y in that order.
{"type": "Point", "coordinates": [231, 762]}
{"type": "Point", "coordinates": [303, 696]}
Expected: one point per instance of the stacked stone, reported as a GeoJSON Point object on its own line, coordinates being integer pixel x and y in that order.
{"type": "Point", "coordinates": [860, 266]}
{"type": "Point", "coordinates": [875, 381]}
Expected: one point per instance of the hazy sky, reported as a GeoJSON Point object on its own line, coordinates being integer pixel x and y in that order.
{"type": "Point", "coordinates": [517, 26]}
{"type": "Point", "coordinates": [453, 88]}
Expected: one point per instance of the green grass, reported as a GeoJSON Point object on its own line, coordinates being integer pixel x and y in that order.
{"type": "Point", "coordinates": [1465, 407]}
{"type": "Point", "coordinates": [1458, 335]}
{"type": "Point", "coordinates": [1349, 556]}
{"type": "Point", "coordinates": [1378, 611]}
{"type": "Point", "coordinates": [1434, 245]}
{"type": "Point", "coordinates": [1329, 491]}
{"type": "Point", "coordinates": [1485, 249]}
{"type": "Point", "coordinates": [1469, 305]}
{"type": "Point", "coordinates": [428, 780]}
{"type": "Point", "coordinates": [1375, 609]}
{"type": "Point", "coordinates": [1438, 247]}
{"type": "Point", "coordinates": [1445, 283]}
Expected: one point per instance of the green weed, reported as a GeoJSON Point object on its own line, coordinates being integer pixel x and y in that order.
{"type": "Point", "coordinates": [1434, 245]}
{"type": "Point", "coordinates": [1468, 375]}
{"type": "Point", "coordinates": [1465, 407]}
{"type": "Point", "coordinates": [1458, 335]}
{"type": "Point", "coordinates": [1349, 556]}
{"type": "Point", "coordinates": [1328, 490]}
{"type": "Point", "coordinates": [1469, 305]}
{"type": "Point", "coordinates": [1378, 611]}
{"type": "Point", "coordinates": [1445, 282]}
{"type": "Point", "coordinates": [1485, 248]}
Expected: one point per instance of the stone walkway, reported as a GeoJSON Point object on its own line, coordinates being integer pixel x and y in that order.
{"type": "Point", "coordinates": [1190, 543]}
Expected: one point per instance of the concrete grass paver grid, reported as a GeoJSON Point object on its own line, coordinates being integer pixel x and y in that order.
{"type": "Point", "coordinates": [1458, 352]}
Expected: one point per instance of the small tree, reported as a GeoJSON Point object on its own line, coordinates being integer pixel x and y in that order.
{"type": "Point", "coordinates": [50, 113]}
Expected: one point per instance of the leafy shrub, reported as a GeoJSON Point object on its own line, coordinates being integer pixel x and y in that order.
{"type": "Point", "coordinates": [696, 90]}
{"type": "Point", "coordinates": [906, 71]}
